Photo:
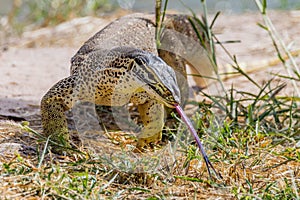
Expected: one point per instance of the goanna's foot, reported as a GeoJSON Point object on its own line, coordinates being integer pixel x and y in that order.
{"type": "Point", "coordinates": [65, 143]}
{"type": "Point", "coordinates": [144, 142]}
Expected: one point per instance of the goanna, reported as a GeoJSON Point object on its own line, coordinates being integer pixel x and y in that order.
{"type": "Point", "coordinates": [120, 63]}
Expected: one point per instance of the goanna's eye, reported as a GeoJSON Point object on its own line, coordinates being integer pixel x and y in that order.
{"type": "Point", "coordinates": [141, 60]}
{"type": "Point", "coordinates": [130, 66]}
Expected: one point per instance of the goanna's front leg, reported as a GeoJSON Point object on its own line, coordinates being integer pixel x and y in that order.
{"type": "Point", "coordinates": [55, 102]}
{"type": "Point", "coordinates": [152, 115]}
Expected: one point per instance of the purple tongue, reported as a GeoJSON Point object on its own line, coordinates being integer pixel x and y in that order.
{"type": "Point", "coordinates": [193, 131]}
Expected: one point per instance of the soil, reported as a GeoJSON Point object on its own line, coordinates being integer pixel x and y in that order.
{"type": "Point", "coordinates": [32, 63]}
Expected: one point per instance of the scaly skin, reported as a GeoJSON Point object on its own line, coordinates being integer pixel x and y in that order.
{"type": "Point", "coordinates": [121, 74]}
{"type": "Point", "coordinates": [111, 67]}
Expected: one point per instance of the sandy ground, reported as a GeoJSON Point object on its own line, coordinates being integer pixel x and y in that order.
{"type": "Point", "coordinates": [30, 65]}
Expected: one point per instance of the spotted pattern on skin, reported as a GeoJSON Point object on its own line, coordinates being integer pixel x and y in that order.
{"type": "Point", "coordinates": [121, 75]}
{"type": "Point", "coordinates": [104, 73]}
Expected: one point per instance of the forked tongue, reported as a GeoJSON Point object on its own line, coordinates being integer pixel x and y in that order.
{"type": "Point", "coordinates": [193, 131]}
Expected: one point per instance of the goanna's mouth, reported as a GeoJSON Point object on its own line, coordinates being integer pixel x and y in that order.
{"type": "Point", "coordinates": [171, 104]}
{"type": "Point", "coordinates": [164, 96]}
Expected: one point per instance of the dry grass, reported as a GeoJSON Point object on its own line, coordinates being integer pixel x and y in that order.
{"type": "Point", "coordinates": [252, 166]}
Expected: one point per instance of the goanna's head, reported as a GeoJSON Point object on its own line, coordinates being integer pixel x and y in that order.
{"type": "Point", "coordinates": [157, 78]}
